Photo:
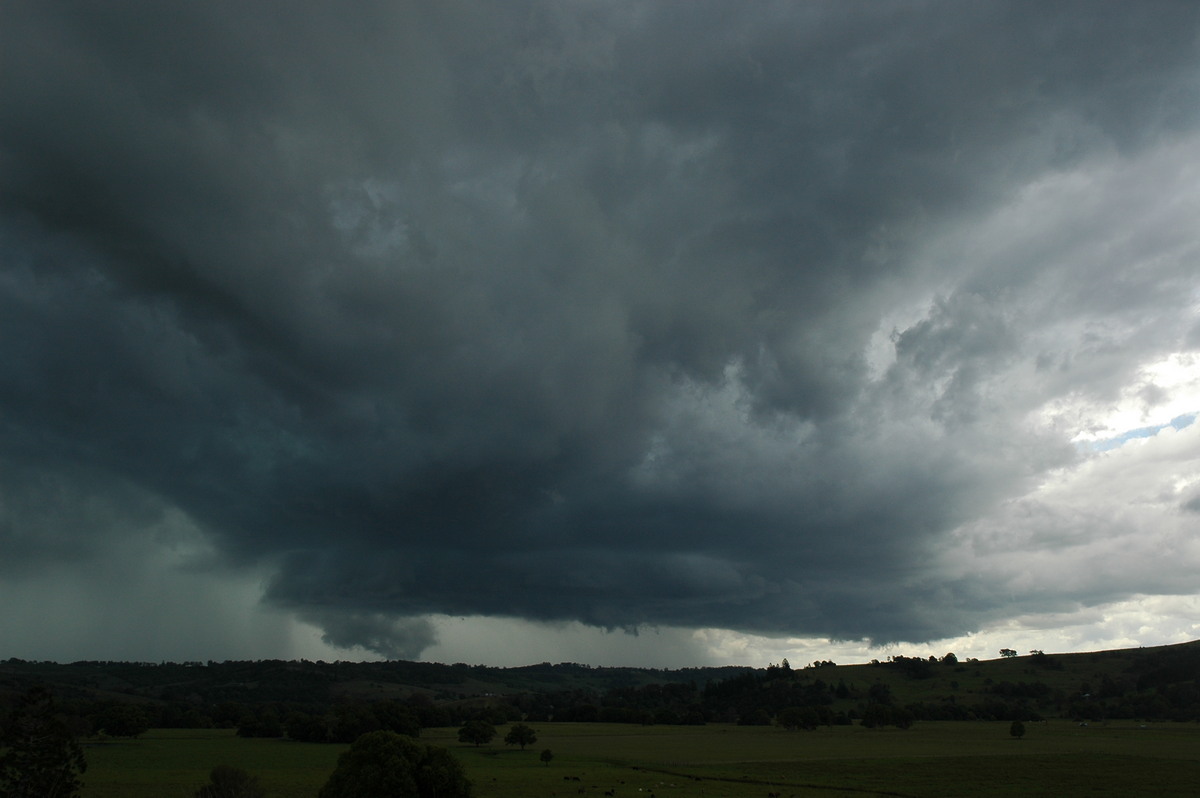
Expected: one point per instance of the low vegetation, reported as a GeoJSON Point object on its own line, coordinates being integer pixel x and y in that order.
{"type": "Point", "coordinates": [230, 782]}
{"type": "Point", "coordinates": [935, 759]}
{"type": "Point", "coordinates": [39, 754]}
{"type": "Point", "coordinates": [337, 702]}
{"type": "Point", "coordinates": [875, 728]}
{"type": "Point", "coordinates": [384, 764]}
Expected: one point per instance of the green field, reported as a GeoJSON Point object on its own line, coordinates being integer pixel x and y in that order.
{"type": "Point", "coordinates": [1057, 758]}
{"type": "Point", "coordinates": [172, 763]}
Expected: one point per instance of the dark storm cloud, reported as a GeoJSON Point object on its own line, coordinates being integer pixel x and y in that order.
{"type": "Point", "coordinates": [378, 632]}
{"type": "Point", "coordinates": [569, 311]}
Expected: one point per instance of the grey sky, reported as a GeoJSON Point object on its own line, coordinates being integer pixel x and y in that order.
{"type": "Point", "coordinates": [799, 320]}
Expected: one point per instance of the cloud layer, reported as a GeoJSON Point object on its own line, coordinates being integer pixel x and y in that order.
{"type": "Point", "coordinates": [790, 320]}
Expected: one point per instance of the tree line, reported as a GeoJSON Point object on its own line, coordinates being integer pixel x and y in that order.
{"type": "Point", "coordinates": [301, 700]}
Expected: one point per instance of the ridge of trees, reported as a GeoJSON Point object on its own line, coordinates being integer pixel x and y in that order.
{"type": "Point", "coordinates": [338, 702]}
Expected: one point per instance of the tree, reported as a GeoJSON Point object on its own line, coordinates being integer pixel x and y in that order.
{"type": "Point", "coordinates": [546, 756]}
{"type": "Point", "coordinates": [229, 782]}
{"type": "Point", "coordinates": [1017, 729]}
{"type": "Point", "coordinates": [876, 715]}
{"type": "Point", "coordinates": [902, 718]}
{"type": "Point", "coordinates": [264, 724]}
{"type": "Point", "coordinates": [353, 721]}
{"type": "Point", "coordinates": [477, 732]}
{"type": "Point", "coordinates": [882, 715]}
{"type": "Point", "coordinates": [383, 764]}
{"type": "Point", "coordinates": [122, 720]}
{"type": "Point", "coordinates": [41, 758]}
{"type": "Point", "coordinates": [794, 718]}
{"type": "Point", "coordinates": [521, 735]}
{"type": "Point", "coordinates": [396, 717]}
{"type": "Point", "coordinates": [880, 693]}
{"type": "Point", "coordinates": [1007, 653]}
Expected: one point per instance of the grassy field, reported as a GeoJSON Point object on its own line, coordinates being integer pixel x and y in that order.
{"type": "Point", "coordinates": [173, 763]}
{"type": "Point", "coordinates": [1057, 758]}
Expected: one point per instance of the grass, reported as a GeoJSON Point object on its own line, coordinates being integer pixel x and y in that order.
{"type": "Point", "coordinates": [173, 763]}
{"type": "Point", "coordinates": [931, 759]}
{"type": "Point", "coordinates": [1057, 758]}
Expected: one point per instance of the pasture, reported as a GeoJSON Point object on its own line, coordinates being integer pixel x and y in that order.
{"type": "Point", "coordinates": [1057, 758]}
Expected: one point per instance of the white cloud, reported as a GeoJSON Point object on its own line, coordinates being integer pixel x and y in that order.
{"type": "Point", "coordinates": [1163, 391]}
{"type": "Point", "coordinates": [1136, 621]}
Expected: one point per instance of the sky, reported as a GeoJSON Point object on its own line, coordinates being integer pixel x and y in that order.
{"type": "Point", "coordinates": [626, 333]}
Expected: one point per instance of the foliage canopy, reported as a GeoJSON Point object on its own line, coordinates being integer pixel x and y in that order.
{"type": "Point", "coordinates": [477, 732]}
{"type": "Point", "coordinates": [41, 758]}
{"type": "Point", "coordinates": [521, 735]}
{"type": "Point", "coordinates": [230, 782]}
{"type": "Point", "coordinates": [384, 764]}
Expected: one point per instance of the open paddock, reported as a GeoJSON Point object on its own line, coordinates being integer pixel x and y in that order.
{"type": "Point", "coordinates": [1056, 758]}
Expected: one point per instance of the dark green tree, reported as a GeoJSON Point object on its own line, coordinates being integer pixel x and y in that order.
{"type": "Point", "coordinates": [384, 764]}
{"type": "Point", "coordinates": [41, 758]}
{"type": "Point", "coordinates": [477, 732]}
{"type": "Point", "coordinates": [353, 721]}
{"type": "Point", "coordinates": [546, 756]}
{"type": "Point", "coordinates": [393, 716]}
{"type": "Point", "coordinates": [264, 724]}
{"type": "Point", "coordinates": [794, 718]}
{"type": "Point", "coordinates": [122, 720]}
{"type": "Point", "coordinates": [439, 775]}
{"type": "Point", "coordinates": [521, 735]}
{"type": "Point", "coordinates": [883, 715]}
{"type": "Point", "coordinates": [1017, 729]}
{"type": "Point", "coordinates": [876, 715]}
{"type": "Point", "coordinates": [229, 782]}
{"type": "Point", "coordinates": [879, 693]}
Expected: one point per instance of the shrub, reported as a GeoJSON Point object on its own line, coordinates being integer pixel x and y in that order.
{"type": "Point", "coordinates": [384, 764]}
{"type": "Point", "coordinates": [39, 756]}
{"type": "Point", "coordinates": [229, 782]}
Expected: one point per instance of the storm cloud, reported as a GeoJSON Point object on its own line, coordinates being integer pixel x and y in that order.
{"type": "Point", "coordinates": [824, 319]}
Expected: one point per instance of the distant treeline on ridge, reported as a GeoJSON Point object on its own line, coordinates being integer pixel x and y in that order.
{"type": "Point", "coordinates": [336, 702]}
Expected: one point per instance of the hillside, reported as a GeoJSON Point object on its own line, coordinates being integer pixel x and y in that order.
{"type": "Point", "coordinates": [303, 681]}
{"type": "Point", "coordinates": [1150, 683]}
{"type": "Point", "coordinates": [1160, 682]}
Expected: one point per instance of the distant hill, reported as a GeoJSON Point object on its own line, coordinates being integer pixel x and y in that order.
{"type": "Point", "coordinates": [1161, 682]}
{"type": "Point", "coordinates": [304, 681]}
